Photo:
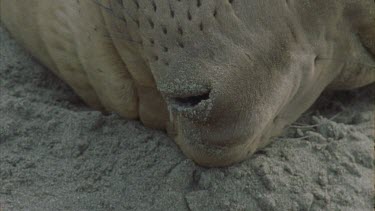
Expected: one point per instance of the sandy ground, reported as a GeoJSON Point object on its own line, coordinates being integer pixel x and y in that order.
{"type": "Point", "coordinates": [58, 154]}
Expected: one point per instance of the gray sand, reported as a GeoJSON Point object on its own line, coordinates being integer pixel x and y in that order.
{"type": "Point", "coordinates": [58, 154]}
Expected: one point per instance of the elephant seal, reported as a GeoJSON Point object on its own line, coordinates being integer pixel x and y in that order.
{"type": "Point", "coordinates": [222, 76]}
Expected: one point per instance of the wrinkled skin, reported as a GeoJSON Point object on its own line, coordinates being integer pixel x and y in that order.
{"type": "Point", "coordinates": [222, 77]}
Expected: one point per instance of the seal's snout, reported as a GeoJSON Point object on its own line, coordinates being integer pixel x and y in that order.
{"type": "Point", "coordinates": [189, 101]}
{"type": "Point", "coordinates": [193, 104]}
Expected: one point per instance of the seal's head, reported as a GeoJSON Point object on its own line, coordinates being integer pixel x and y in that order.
{"type": "Point", "coordinates": [232, 74]}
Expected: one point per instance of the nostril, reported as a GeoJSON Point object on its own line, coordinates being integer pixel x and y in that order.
{"type": "Point", "coordinates": [190, 101]}
{"type": "Point", "coordinates": [193, 104]}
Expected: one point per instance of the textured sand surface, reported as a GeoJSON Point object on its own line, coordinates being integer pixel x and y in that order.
{"type": "Point", "coordinates": [58, 154]}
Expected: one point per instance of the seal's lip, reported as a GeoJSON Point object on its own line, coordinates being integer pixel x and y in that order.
{"type": "Point", "coordinates": [216, 156]}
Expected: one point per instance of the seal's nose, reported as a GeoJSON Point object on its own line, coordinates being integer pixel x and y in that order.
{"type": "Point", "coordinates": [189, 101]}
{"type": "Point", "coordinates": [193, 104]}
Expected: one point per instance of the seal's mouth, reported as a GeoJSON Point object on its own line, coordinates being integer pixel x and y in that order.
{"type": "Point", "coordinates": [215, 155]}
{"type": "Point", "coordinates": [211, 150]}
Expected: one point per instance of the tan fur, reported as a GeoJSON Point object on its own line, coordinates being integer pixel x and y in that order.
{"type": "Point", "coordinates": [250, 67]}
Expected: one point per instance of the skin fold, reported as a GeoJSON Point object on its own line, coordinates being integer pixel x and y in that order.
{"type": "Point", "coordinates": [221, 76]}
